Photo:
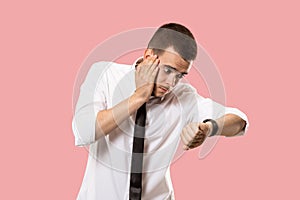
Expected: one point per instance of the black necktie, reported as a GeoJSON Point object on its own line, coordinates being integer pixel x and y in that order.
{"type": "Point", "coordinates": [135, 189]}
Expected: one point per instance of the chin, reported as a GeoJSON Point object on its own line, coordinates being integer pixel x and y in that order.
{"type": "Point", "coordinates": [158, 94]}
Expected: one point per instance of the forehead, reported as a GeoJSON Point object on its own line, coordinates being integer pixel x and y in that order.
{"type": "Point", "coordinates": [173, 59]}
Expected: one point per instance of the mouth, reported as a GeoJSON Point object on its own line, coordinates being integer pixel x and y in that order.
{"type": "Point", "coordinates": [164, 89]}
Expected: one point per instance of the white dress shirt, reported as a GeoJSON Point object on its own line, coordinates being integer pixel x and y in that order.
{"type": "Point", "coordinates": [107, 175]}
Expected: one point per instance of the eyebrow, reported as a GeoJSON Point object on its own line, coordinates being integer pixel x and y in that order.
{"type": "Point", "coordinates": [183, 73]}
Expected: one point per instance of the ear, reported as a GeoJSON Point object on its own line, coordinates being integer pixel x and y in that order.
{"type": "Point", "coordinates": [148, 52]}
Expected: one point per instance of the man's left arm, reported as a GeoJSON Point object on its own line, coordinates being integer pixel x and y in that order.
{"type": "Point", "coordinates": [228, 125]}
{"type": "Point", "coordinates": [194, 134]}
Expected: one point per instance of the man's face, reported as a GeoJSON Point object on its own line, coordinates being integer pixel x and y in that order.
{"type": "Point", "coordinates": [172, 68]}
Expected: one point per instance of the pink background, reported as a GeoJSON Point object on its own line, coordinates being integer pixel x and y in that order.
{"type": "Point", "coordinates": [255, 46]}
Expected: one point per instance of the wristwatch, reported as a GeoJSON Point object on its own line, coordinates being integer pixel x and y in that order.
{"type": "Point", "coordinates": [215, 126]}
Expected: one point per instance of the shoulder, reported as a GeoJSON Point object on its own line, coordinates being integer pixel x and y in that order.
{"type": "Point", "coordinates": [107, 69]}
{"type": "Point", "coordinates": [104, 66]}
{"type": "Point", "coordinates": [104, 70]}
{"type": "Point", "coordinates": [184, 88]}
{"type": "Point", "coordinates": [186, 92]}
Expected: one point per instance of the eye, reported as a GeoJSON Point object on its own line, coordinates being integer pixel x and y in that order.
{"type": "Point", "coordinates": [168, 70]}
{"type": "Point", "coordinates": [180, 76]}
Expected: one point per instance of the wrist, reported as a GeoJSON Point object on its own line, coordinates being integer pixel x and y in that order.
{"type": "Point", "coordinates": [143, 93]}
{"type": "Point", "coordinates": [213, 127]}
{"type": "Point", "coordinates": [210, 128]}
{"type": "Point", "coordinates": [138, 98]}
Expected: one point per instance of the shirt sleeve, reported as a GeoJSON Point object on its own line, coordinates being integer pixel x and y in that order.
{"type": "Point", "coordinates": [91, 100]}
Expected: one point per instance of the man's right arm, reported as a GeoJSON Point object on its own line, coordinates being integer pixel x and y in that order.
{"type": "Point", "coordinates": [89, 126]}
{"type": "Point", "coordinates": [108, 120]}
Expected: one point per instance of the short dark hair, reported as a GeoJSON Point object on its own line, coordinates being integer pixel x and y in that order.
{"type": "Point", "coordinates": [177, 36]}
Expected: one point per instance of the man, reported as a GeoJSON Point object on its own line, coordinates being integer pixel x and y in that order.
{"type": "Point", "coordinates": [106, 110]}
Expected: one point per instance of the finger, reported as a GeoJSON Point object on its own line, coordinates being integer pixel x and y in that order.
{"type": "Point", "coordinates": [198, 142]}
{"type": "Point", "coordinates": [194, 145]}
{"type": "Point", "coordinates": [194, 134]}
{"type": "Point", "coordinates": [200, 138]}
{"type": "Point", "coordinates": [149, 63]}
{"type": "Point", "coordinates": [142, 67]}
{"type": "Point", "coordinates": [188, 140]}
{"type": "Point", "coordinates": [186, 147]}
{"type": "Point", "coordinates": [184, 139]}
{"type": "Point", "coordinates": [138, 68]}
{"type": "Point", "coordinates": [154, 65]}
{"type": "Point", "coordinates": [191, 132]}
{"type": "Point", "coordinates": [154, 70]}
{"type": "Point", "coordinates": [204, 128]}
{"type": "Point", "coordinates": [201, 128]}
{"type": "Point", "coordinates": [191, 146]}
{"type": "Point", "coordinates": [188, 134]}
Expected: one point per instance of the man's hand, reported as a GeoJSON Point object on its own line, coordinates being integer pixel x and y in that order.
{"type": "Point", "coordinates": [145, 75]}
{"type": "Point", "coordinates": [194, 134]}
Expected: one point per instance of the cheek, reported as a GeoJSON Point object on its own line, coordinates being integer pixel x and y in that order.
{"type": "Point", "coordinates": [161, 77]}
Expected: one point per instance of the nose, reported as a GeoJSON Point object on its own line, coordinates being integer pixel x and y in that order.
{"type": "Point", "coordinates": [171, 80]}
